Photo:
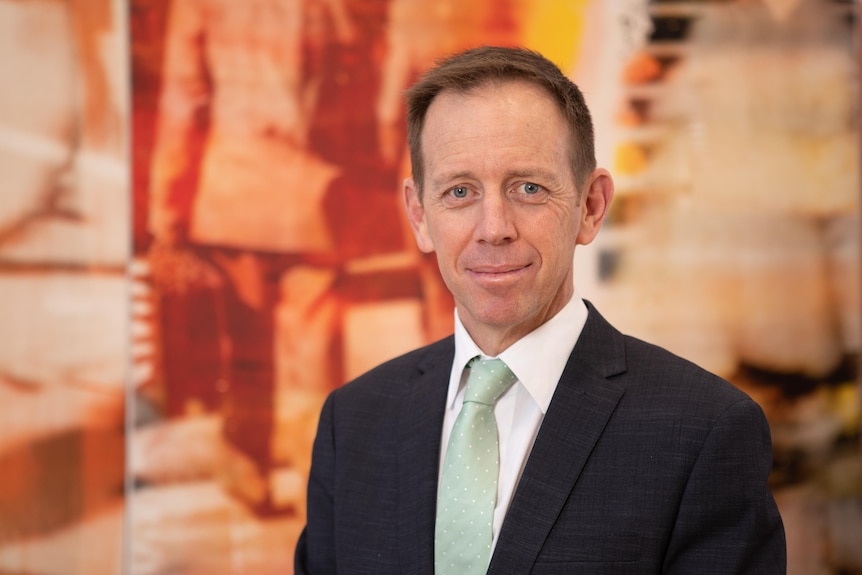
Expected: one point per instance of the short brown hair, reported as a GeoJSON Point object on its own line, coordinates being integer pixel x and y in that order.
{"type": "Point", "coordinates": [467, 70]}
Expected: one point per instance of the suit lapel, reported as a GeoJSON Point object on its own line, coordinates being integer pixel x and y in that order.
{"type": "Point", "coordinates": [420, 423]}
{"type": "Point", "coordinates": [583, 402]}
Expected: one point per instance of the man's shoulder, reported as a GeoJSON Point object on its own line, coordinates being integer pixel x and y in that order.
{"type": "Point", "coordinates": [397, 372]}
{"type": "Point", "coordinates": [656, 376]}
{"type": "Point", "coordinates": [644, 367]}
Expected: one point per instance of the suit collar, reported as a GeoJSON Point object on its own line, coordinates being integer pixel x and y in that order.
{"type": "Point", "coordinates": [601, 348]}
{"type": "Point", "coordinates": [552, 341]}
{"type": "Point", "coordinates": [581, 407]}
{"type": "Point", "coordinates": [420, 421]}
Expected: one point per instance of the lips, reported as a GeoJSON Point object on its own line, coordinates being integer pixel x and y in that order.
{"type": "Point", "coordinates": [497, 269]}
{"type": "Point", "coordinates": [498, 273]}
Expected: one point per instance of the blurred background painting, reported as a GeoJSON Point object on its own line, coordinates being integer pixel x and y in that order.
{"type": "Point", "coordinates": [201, 236]}
{"type": "Point", "coordinates": [64, 229]}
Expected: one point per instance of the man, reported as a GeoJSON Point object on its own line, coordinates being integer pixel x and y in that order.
{"type": "Point", "coordinates": [614, 455]}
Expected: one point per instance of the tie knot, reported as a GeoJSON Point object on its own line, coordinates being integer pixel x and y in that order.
{"type": "Point", "coordinates": [488, 380]}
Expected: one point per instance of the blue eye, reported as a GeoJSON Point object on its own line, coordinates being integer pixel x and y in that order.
{"type": "Point", "coordinates": [459, 192]}
{"type": "Point", "coordinates": [531, 188]}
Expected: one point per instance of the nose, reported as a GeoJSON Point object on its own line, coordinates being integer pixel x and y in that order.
{"type": "Point", "coordinates": [496, 223]}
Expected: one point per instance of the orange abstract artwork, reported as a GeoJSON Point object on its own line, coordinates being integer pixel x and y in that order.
{"type": "Point", "coordinates": [202, 235]}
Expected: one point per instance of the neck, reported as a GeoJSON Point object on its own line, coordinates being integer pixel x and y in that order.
{"type": "Point", "coordinates": [495, 339]}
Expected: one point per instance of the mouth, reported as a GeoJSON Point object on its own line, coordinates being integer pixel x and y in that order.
{"type": "Point", "coordinates": [498, 273]}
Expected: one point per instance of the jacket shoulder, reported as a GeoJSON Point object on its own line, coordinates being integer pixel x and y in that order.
{"type": "Point", "coordinates": [661, 369]}
{"type": "Point", "coordinates": [392, 375]}
{"type": "Point", "coordinates": [645, 369]}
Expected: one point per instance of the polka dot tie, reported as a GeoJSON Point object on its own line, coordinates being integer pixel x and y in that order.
{"type": "Point", "coordinates": [468, 486]}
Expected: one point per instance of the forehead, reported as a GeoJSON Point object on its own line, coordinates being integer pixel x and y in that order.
{"type": "Point", "coordinates": [510, 121]}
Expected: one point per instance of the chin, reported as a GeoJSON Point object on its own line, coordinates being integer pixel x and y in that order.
{"type": "Point", "coordinates": [504, 316]}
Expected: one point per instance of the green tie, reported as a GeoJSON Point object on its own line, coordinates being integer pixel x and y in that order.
{"type": "Point", "coordinates": [468, 486]}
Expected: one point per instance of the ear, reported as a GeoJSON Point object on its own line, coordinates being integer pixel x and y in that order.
{"type": "Point", "coordinates": [595, 201]}
{"type": "Point", "coordinates": [416, 215]}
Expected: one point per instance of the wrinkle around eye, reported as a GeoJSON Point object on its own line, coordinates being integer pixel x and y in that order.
{"type": "Point", "coordinates": [449, 199]}
{"type": "Point", "coordinates": [540, 196]}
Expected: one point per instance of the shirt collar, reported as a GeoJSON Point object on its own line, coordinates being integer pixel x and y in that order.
{"type": "Point", "coordinates": [537, 359]}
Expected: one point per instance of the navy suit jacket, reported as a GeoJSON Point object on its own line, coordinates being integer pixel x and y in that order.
{"type": "Point", "coordinates": [644, 463]}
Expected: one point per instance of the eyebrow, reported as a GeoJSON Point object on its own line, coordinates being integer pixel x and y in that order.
{"type": "Point", "coordinates": [539, 173]}
{"type": "Point", "coordinates": [452, 176]}
{"type": "Point", "coordinates": [534, 173]}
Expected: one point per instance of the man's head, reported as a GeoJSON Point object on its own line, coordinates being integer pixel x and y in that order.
{"type": "Point", "coordinates": [469, 70]}
{"type": "Point", "coordinates": [500, 202]}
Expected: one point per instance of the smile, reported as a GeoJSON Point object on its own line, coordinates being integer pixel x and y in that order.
{"type": "Point", "coordinates": [498, 273]}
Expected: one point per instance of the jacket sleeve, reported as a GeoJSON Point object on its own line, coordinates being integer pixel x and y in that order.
{"type": "Point", "coordinates": [727, 521]}
{"type": "Point", "coordinates": [315, 550]}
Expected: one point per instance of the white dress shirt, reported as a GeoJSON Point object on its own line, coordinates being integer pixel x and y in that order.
{"type": "Point", "coordinates": [537, 360]}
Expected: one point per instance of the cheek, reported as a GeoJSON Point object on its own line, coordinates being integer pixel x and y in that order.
{"type": "Point", "coordinates": [448, 236]}
{"type": "Point", "coordinates": [556, 245]}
